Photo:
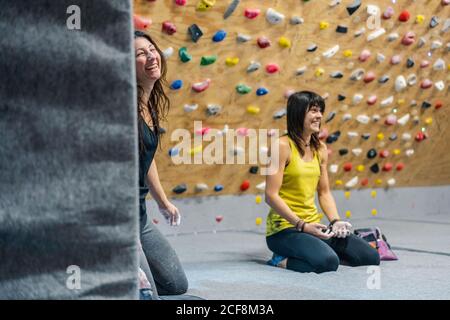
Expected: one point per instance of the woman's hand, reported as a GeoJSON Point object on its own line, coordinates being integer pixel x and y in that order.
{"type": "Point", "coordinates": [318, 230]}
{"type": "Point", "coordinates": [341, 229]}
{"type": "Point", "coordinates": [171, 214]}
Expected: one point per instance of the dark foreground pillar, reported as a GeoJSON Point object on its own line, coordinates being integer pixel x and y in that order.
{"type": "Point", "coordinates": [68, 168]}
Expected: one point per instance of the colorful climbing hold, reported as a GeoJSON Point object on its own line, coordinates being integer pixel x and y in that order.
{"type": "Point", "coordinates": [258, 221]}
{"type": "Point", "coordinates": [272, 68]}
{"type": "Point", "coordinates": [263, 42]}
{"type": "Point", "coordinates": [169, 27]}
{"type": "Point", "coordinates": [245, 185]}
{"type": "Point", "coordinates": [195, 32]}
{"type": "Point", "coordinates": [180, 188]}
{"type": "Point", "coordinates": [176, 85]}
{"type": "Point", "coordinates": [201, 86]}
{"type": "Point", "coordinates": [231, 8]}
{"type": "Point", "coordinates": [253, 110]}
{"type": "Point", "coordinates": [262, 91]}
{"type": "Point", "coordinates": [243, 88]}
{"type": "Point", "coordinates": [207, 60]}
{"type": "Point", "coordinates": [218, 188]}
{"type": "Point", "coordinates": [219, 219]}
{"type": "Point", "coordinates": [323, 25]}
{"type": "Point", "coordinates": [404, 16]}
{"type": "Point", "coordinates": [141, 23]}
{"type": "Point", "coordinates": [274, 17]}
{"type": "Point", "coordinates": [204, 5]}
{"type": "Point", "coordinates": [231, 61]}
{"type": "Point", "coordinates": [219, 36]}
{"type": "Point", "coordinates": [284, 42]}
{"type": "Point", "coordinates": [252, 13]}
{"type": "Point", "coordinates": [184, 55]}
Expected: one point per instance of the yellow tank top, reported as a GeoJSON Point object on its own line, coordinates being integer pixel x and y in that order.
{"type": "Point", "coordinates": [298, 189]}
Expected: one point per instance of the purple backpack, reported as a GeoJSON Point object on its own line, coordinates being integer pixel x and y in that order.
{"type": "Point", "coordinates": [378, 241]}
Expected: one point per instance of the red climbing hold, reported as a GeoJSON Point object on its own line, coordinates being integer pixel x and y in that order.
{"type": "Point", "coordinates": [141, 23]}
{"type": "Point", "coordinates": [400, 166]}
{"type": "Point", "coordinates": [404, 16]}
{"type": "Point", "coordinates": [252, 13]}
{"type": "Point", "coordinates": [272, 68]}
{"type": "Point", "coordinates": [169, 28]}
{"type": "Point", "coordinates": [364, 182]}
{"type": "Point", "coordinates": [420, 136]}
{"type": "Point", "coordinates": [387, 167]}
{"type": "Point", "coordinates": [384, 154]}
{"type": "Point", "coordinates": [245, 185]}
{"type": "Point", "coordinates": [263, 42]}
{"type": "Point", "coordinates": [348, 167]}
{"type": "Point", "coordinates": [438, 105]}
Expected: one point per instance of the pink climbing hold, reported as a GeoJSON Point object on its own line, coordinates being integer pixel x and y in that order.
{"type": "Point", "coordinates": [202, 131]}
{"type": "Point", "coordinates": [288, 93]}
{"type": "Point", "coordinates": [445, 2]}
{"type": "Point", "coordinates": [388, 13]}
{"type": "Point", "coordinates": [372, 100]}
{"type": "Point", "coordinates": [409, 38]}
{"type": "Point", "coordinates": [201, 86]}
{"type": "Point", "coordinates": [396, 59]}
{"type": "Point", "coordinates": [219, 219]}
{"type": "Point", "coordinates": [400, 166]}
{"type": "Point", "coordinates": [180, 2]}
{"type": "Point", "coordinates": [141, 23]}
{"type": "Point", "coordinates": [365, 55]}
{"type": "Point", "coordinates": [384, 153]}
{"type": "Point", "coordinates": [424, 63]}
{"type": "Point", "coordinates": [245, 185]}
{"type": "Point", "coordinates": [426, 84]}
{"type": "Point", "coordinates": [252, 13]}
{"type": "Point", "coordinates": [323, 134]}
{"type": "Point", "coordinates": [390, 120]}
{"type": "Point", "coordinates": [272, 68]}
{"type": "Point", "coordinates": [169, 28]}
{"type": "Point", "coordinates": [369, 77]}
{"type": "Point", "coordinates": [387, 167]}
{"type": "Point", "coordinates": [404, 16]}
{"type": "Point", "coordinates": [263, 42]}
{"type": "Point", "coordinates": [242, 132]}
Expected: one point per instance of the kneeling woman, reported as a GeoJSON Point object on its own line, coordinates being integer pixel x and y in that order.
{"type": "Point", "coordinates": [293, 228]}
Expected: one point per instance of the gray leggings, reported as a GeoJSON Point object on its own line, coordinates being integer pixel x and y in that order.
{"type": "Point", "coordinates": [164, 264]}
{"type": "Point", "coordinates": [307, 253]}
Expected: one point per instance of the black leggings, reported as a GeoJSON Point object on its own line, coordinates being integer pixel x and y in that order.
{"type": "Point", "coordinates": [307, 253]}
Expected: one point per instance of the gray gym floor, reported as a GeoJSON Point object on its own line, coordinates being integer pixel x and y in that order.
{"type": "Point", "coordinates": [230, 264]}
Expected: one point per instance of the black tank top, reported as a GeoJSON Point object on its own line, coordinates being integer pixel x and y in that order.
{"type": "Point", "coordinates": [150, 140]}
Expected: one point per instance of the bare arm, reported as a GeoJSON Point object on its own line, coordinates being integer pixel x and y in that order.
{"type": "Point", "coordinates": [155, 187]}
{"type": "Point", "coordinates": [326, 199]}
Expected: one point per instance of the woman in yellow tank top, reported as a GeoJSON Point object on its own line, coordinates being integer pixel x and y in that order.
{"type": "Point", "coordinates": [293, 228]}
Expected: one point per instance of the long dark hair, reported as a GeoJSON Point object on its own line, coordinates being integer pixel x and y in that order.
{"type": "Point", "coordinates": [298, 105]}
{"type": "Point", "coordinates": [158, 104]}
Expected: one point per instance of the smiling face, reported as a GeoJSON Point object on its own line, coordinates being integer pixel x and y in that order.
{"type": "Point", "coordinates": [313, 118]}
{"type": "Point", "coordinates": [148, 62]}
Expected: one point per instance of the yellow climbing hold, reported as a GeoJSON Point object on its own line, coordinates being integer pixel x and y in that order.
{"type": "Point", "coordinates": [323, 25]}
{"type": "Point", "coordinates": [319, 72]}
{"type": "Point", "coordinates": [373, 194]}
{"type": "Point", "coordinates": [380, 136]}
{"type": "Point", "coordinates": [232, 61]}
{"type": "Point", "coordinates": [360, 168]}
{"type": "Point", "coordinates": [420, 18]}
{"type": "Point", "coordinates": [339, 182]}
{"type": "Point", "coordinates": [284, 42]}
{"type": "Point", "coordinates": [429, 120]}
{"type": "Point", "coordinates": [397, 152]}
{"type": "Point", "coordinates": [348, 53]}
{"type": "Point", "coordinates": [196, 150]}
{"type": "Point", "coordinates": [378, 181]}
{"type": "Point", "coordinates": [347, 195]}
{"type": "Point", "coordinates": [374, 212]}
{"type": "Point", "coordinates": [258, 199]}
{"type": "Point", "coordinates": [253, 109]}
{"type": "Point", "coordinates": [401, 101]}
{"type": "Point", "coordinates": [348, 214]}
{"type": "Point", "coordinates": [204, 5]}
{"type": "Point", "coordinates": [258, 221]}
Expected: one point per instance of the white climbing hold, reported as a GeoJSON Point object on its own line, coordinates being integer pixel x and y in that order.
{"type": "Point", "coordinates": [380, 57]}
{"type": "Point", "coordinates": [409, 152]}
{"type": "Point", "coordinates": [261, 186]}
{"type": "Point", "coordinates": [375, 34]}
{"type": "Point", "coordinates": [357, 74]}
{"type": "Point", "coordinates": [352, 134]}
{"type": "Point", "coordinates": [391, 182]}
{"type": "Point", "coordinates": [273, 16]}
{"type": "Point", "coordinates": [357, 98]}
{"type": "Point", "coordinates": [301, 70]}
{"type": "Point", "coordinates": [334, 3]}
{"type": "Point", "coordinates": [393, 36]}
{"type": "Point", "coordinates": [296, 20]}
{"type": "Point", "coordinates": [376, 118]}
{"type": "Point", "coordinates": [254, 65]}
{"type": "Point", "coordinates": [352, 183]}
{"type": "Point", "coordinates": [213, 109]}
{"type": "Point", "coordinates": [243, 37]}
{"type": "Point", "coordinates": [440, 85]}
{"type": "Point", "coordinates": [387, 101]}
{"type": "Point", "coordinates": [331, 52]}
{"type": "Point", "coordinates": [404, 120]}
{"type": "Point", "coordinates": [446, 26]}
{"type": "Point", "coordinates": [199, 187]}
{"type": "Point", "coordinates": [167, 53]}
{"type": "Point", "coordinates": [357, 151]}
{"type": "Point", "coordinates": [436, 44]}
{"type": "Point", "coordinates": [400, 83]}
{"type": "Point", "coordinates": [360, 32]}
{"type": "Point", "coordinates": [406, 136]}
{"type": "Point", "coordinates": [362, 118]}
{"type": "Point", "coordinates": [439, 65]}
{"type": "Point", "coordinates": [346, 117]}
{"type": "Point", "coordinates": [190, 107]}
{"type": "Point", "coordinates": [422, 42]}
{"type": "Point", "coordinates": [411, 79]}
{"type": "Point", "coordinates": [334, 168]}
{"type": "Point", "coordinates": [373, 10]}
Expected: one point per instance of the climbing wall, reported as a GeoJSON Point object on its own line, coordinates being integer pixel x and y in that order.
{"type": "Point", "coordinates": [385, 81]}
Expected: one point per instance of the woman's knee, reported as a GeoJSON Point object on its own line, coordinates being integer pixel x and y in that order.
{"type": "Point", "coordinates": [326, 263]}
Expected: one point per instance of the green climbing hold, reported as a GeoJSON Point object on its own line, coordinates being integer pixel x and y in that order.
{"type": "Point", "coordinates": [184, 55]}
{"type": "Point", "coordinates": [243, 89]}
{"type": "Point", "coordinates": [207, 60]}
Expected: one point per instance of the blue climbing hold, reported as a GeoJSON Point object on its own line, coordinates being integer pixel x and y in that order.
{"type": "Point", "coordinates": [218, 188]}
{"type": "Point", "coordinates": [177, 84]}
{"type": "Point", "coordinates": [219, 36]}
{"type": "Point", "coordinates": [173, 152]}
{"type": "Point", "coordinates": [262, 91]}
